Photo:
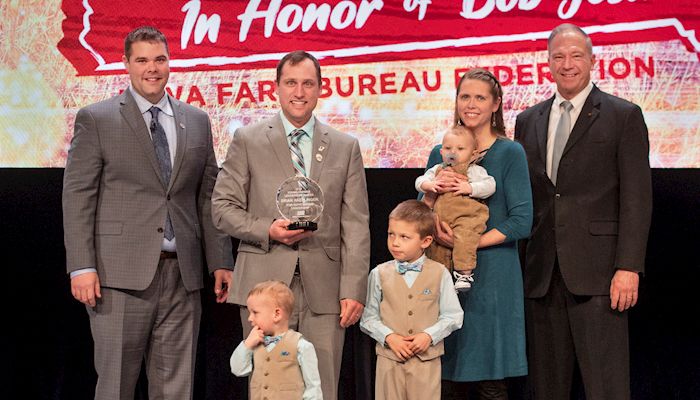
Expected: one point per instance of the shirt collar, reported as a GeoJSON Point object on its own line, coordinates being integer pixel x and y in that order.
{"type": "Point", "coordinates": [578, 100]}
{"type": "Point", "coordinates": [145, 105]}
{"type": "Point", "coordinates": [308, 126]}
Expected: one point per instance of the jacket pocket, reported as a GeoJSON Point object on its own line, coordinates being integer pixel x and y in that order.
{"type": "Point", "coordinates": [603, 228]}
{"type": "Point", "coordinates": [333, 252]}
{"type": "Point", "coordinates": [244, 247]}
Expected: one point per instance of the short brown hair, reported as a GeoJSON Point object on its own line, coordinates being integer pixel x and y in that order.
{"type": "Point", "coordinates": [144, 34]}
{"type": "Point", "coordinates": [295, 58]}
{"type": "Point", "coordinates": [277, 291]}
{"type": "Point", "coordinates": [415, 212]}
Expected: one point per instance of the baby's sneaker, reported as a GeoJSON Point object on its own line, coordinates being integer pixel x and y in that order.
{"type": "Point", "coordinates": [463, 282]}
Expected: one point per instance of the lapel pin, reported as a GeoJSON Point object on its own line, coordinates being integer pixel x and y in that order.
{"type": "Point", "coordinates": [319, 157]}
{"type": "Point", "coordinates": [182, 125]}
{"type": "Point", "coordinates": [285, 353]}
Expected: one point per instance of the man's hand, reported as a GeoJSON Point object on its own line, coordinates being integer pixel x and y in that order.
{"type": "Point", "coordinates": [85, 288]}
{"type": "Point", "coordinates": [279, 232]}
{"type": "Point", "coordinates": [255, 337]}
{"type": "Point", "coordinates": [624, 290]}
{"type": "Point", "coordinates": [419, 343]}
{"type": "Point", "coordinates": [223, 278]}
{"type": "Point", "coordinates": [350, 312]}
{"type": "Point", "coordinates": [400, 345]}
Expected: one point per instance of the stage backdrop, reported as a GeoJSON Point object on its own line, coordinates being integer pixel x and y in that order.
{"type": "Point", "coordinates": [389, 66]}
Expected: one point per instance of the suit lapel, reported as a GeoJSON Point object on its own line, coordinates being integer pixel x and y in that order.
{"type": "Point", "coordinates": [181, 131]}
{"type": "Point", "coordinates": [280, 146]}
{"type": "Point", "coordinates": [542, 127]}
{"type": "Point", "coordinates": [589, 113]}
{"type": "Point", "coordinates": [319, 150]}
{"type": "Point", "coordinates": [132, 115]}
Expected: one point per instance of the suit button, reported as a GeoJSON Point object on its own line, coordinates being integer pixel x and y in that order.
{"type": "Point", "coordinates": [295, 246]}
{"type": "Point", "coordinates": [265, 387]}
{"type": "Point", "coordinates": [168, 197]}
{"type": "Point", "coordinates": [410, 313]}
{"type": "Point", "coordinates": [160, 230]}
{"type": "Point", "coordinates": [267, 359]}
{"type": "Point", "coordinates": [266, 373]}
{"type": "Point", "coordinates": [557, 195]}
{"type": "Point", "coordinates": [410, 296]}
{"type": "Point", "coordinates": [410, 331]}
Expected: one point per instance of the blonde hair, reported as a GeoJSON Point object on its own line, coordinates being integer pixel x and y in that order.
{"type": "Point", "coordinates": [278, 291]}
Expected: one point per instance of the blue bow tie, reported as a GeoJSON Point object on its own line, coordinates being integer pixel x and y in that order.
{"type": "Point", "coordinates": [268, 340]}
{"type": "Point", "coordinates": [403, 266]}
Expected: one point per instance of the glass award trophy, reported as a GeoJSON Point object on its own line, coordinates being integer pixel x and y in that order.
{"type": "Point", "coordinates": [300, 200]}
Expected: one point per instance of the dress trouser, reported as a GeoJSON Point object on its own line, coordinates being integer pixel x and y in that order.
{"type": "Point", "coordinates": [322, 330]}
{"type": "Point", "coordinates": [562, 329]}
{"type": "Point", "coordinates": [159, 324]}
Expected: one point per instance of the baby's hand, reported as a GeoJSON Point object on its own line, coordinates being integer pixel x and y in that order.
{"type": "Point", "coordinates": [399, 345]}
{"type": "Point", "coordinates": [419, 342]}
{"type": "Point", "coordinates": [464, 188]}
{"type": "Point", "coordinates": [255, 338]}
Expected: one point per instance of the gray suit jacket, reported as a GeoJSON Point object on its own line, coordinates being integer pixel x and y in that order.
{"type": "Point", "coordinates": [115, 202]}
{"type": "Point", "coordinates": [334, 261]}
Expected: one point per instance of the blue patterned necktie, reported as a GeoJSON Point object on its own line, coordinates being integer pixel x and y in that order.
{"type": "Point", "coordinates": [297, 157]}
{"type": "Point", "coordinates": [268, 340]}
{"type": "Point", "coordinates": [561, 136]}
{"type": "Point", "coordinates": [160, 144]}
{"type": "Point", "coordinates": [403, 266]}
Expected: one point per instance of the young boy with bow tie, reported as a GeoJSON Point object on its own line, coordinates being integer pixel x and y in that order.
{"type": "Point", "coordinates": [283, 363]}
{"type": "Point", "coordinates": [411, 307]}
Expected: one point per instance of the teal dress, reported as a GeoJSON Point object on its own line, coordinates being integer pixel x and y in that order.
{"type": "Point", "coordinates": [491, 343]}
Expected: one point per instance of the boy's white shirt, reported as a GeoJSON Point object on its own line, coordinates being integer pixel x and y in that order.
{"type": "Point", "coordinates": [483, 184]}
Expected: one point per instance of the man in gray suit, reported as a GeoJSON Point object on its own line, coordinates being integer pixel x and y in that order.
{"type": "Point", "coordinates": [137, 222]}
{"type": "Point", "coordinates": [326, 269]}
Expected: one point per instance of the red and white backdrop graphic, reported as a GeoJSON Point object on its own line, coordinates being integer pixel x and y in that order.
{"type": "Point", "coordinates": [389, 67]}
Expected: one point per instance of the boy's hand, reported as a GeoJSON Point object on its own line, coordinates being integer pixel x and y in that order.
{"type": "Point", "coordinates": [399, 345]}
{"type": "Point", "coordinates": [255, 338]}
{"type": "Point", "coordinates": [464, 188]}
{"type": "Point", "coordinates": [419, 342]}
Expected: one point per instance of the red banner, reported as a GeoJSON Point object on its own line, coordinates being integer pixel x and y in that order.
{"type": "Point", "coordinates": [230, 34]}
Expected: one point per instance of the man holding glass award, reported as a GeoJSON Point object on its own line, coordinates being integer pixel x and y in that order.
{"type": "Point", "coordinates": [293, 190]}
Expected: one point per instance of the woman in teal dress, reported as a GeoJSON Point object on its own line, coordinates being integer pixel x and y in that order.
{"type": "Point", "coordinates": [491, 344]}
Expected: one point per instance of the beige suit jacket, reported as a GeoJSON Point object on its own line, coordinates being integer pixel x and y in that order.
{"type": "Point", "coordinates": [334, 261]}
{"type": "Point", "coordinates": [115, 202]}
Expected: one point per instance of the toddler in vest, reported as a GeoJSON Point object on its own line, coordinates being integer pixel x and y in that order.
{"type": "Point", "coordinates": [411, 307]}
{"type": "Point", "coordinates": [283, 363]}
{"type": "Point", "coordinates": [458, 203]}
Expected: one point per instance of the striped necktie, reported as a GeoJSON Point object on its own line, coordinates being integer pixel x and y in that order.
{"type": "Point", "coordinates": [160, 144]}
{"type": "Point", "coordinates": [297, 157]}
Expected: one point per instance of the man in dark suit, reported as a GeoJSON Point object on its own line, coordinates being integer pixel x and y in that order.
{"type": "Point", "coordinates": [137, 222]}
{"type": "Point", "coordinates": [326, 269]}
{"type": "Point", "coordinates": [588, 156]}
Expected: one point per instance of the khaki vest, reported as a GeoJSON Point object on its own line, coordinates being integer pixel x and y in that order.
{"type": "Point", "coordinates": [277, 374]}
{"type": "Point", "coordinates": [409, 311]}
